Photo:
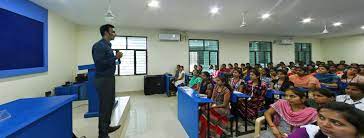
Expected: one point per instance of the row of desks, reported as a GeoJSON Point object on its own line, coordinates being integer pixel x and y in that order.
{"type": "Point", "coordinates": [188, 109]}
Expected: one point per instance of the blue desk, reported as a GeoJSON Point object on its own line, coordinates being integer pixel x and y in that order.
{"type": "Point", "coordinates": [167, 79]}
{"type": "Point", "coordinates": [234, 104]}
{"type": "Point", "coordinates": [280, 93]}
{"type": "Point", "coordinates": [271, 93]}
{"type": "Point", "coordinates": [47, 117]}
{"type": "Point", "coordinates": [188, 110]}
{"type": "Point", "coordinates": [93, 98]}
{"type": "Point", "coordinates": [79, 89]}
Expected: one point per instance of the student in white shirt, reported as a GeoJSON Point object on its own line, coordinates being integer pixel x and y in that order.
{"type": "Point", "coordinates": [181, 77]}
{"type": "Point", "coordinates": [354, 95]}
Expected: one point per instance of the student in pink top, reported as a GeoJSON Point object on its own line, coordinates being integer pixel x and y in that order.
{"type": "Point", "coordinates": [352, 76]}
{"type": "Point", "coordinates": [216, 72]}
{"type": "Point", "coordinates": [304, 80]}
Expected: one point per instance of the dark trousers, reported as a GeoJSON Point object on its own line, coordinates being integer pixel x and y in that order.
{"type": "Point", "coordinates": [105, 87]}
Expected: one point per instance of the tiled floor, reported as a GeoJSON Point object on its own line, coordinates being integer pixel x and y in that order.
{"type": "Point", "coordinates": [153, 116]}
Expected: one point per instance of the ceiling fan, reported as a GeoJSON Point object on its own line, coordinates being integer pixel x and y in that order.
{"type": "Point", "coordinates": [243, 23]}
{"type": "Point", "coordinates": [325, 31]}
{"type": "Point", "coordinates": [109, 16]}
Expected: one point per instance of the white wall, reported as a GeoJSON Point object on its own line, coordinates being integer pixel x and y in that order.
{"type": "Point", "coordinates": [61, 64]}
{"type": "Point", "coordinates": [163, 56]}
{"type": "Point", "coordinates": [350, 48]}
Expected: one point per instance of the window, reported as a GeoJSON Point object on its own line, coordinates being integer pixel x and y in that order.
{"type": "Point", "coordinates": [204, 52]}
{"type": "Point", "coordinates": [260, 52]}
{"type": "Point", "coordinates": [134, 60]}
{"type": "Point", "coordinates": [303, 52]}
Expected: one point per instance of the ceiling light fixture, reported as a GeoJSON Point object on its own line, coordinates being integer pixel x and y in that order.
{"type": "Point", "coordinates": [307, 20]}
{"type": "Point", "coordinates": [214, 10]}
{"type": "Point", "coordinates": [243, 23]}
{"type": "Point", "coordinates": [153, 4]}
{"type": "Point", "coordinates": [265, 16]}
{"type": "Point", "coordinates": [109, 16]}
{"type": "Point", "coordinates": [336, 24]}
{"type": "Point", "coordinates": [325, 30]}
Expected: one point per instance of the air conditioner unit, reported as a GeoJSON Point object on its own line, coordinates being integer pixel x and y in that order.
{"type": "Point", "coordinates": [286, 41]}
{"type": "Point", "coordinates": [169, 37]}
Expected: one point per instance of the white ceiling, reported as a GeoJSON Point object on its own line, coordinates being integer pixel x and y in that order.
{"type": "Point", "coordinates": [193, 15]}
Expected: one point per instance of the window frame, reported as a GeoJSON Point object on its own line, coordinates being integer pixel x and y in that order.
{"type": "Point", "coordinates": [298, 53]}
{"type": "Point", "coordinates": [209, 51]}
{"type": "Point", "coordinates": [135, 51]}
{"type": "Point", "coordinates": [255, 52]}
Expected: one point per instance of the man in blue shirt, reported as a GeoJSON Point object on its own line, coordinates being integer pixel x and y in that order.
{"type": "Point", "coordinates": [104, 60]}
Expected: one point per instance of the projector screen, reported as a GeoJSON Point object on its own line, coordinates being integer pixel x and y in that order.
{"type": "Point", "coordinates": [21, 41]}
{"type": "Point", "coordinates": [23, 38]}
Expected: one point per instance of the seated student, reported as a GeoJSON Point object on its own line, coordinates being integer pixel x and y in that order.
{"type": "Point", "coordinates": [352, 76]}
{"type": "Point", "coordinates": [216, 72]}
{"type": "Point", "coordinates": [247, 65]}
{"type": "Point", "coordinates": [243, 69]}
{"type": "Point", "coordinates": [304, 80]}
{"type": "Point", "coordinates": [313, 64]}
{"type": "Point", "coordinates": [270, 66]}
{"type": "Point", "coordinates": [354, 95]}
{"type": "Point", "coordinates": [195, 80]}
{"type": "Point", "coordinates": [206, 86]}
{"type": "Point", "coordinates": [318, 63]}
{"type": "Point", "coordinates": [332, 69]}
{"type": "Point", "coordinates": [320, 97]}
{"type": "Point", "coordinates": [284, 116]}
{"type": "Point", "coordinates": [340, 70]}
{"type": "Point", "coordinates": [256, 89]}
{"type": "Point", "coordinates": [194, 68]}
{"type": "Point", "coordinates": [282, 66]}
{"type": "Point", "coordinates": [219, 111]}
{"type": "Point", "coordinates": [291, 72]}
{"type": "Point", "coordinates": [176, 72]}
{"type": "Point", "coordinates": [311, 69]}
{"type": "Point", "coordinates": [342, 62]}
{"type": "Point", "coordinates": [236, 83]}
{"type": "Point", "coordinates": [258, 67]}
{"type": "Point", "coordinates": [223, 69]}
{"type": "Point", "coordinates": [211, 69]}
{"type": "Point", "coordinates": [236, 66]}
{"type": "Point", "coordinates": [199, 68]}
{"type": "Point", "coordinates": [283, 83]}
{"type": "Point", "coordinates": [335, 120]}
{"type": "Point", "coordinates": [354, 65]}
{"type": "Point", "coordinates": [231, 68]}
{"type": "Point", "coordinates": [361, 73]}
{"type": "Point", "coordinates": [247, 76]}
{"type": "Point", "coordinates": [181, 77]}
{"type": "Point", "coordinates": [330, 62]}
{"type": "Point", "coordinates": [326, 79]}
{"type": "Point", "coordinates": [265, 76]}
{"type": "Point", "coordinates": [273, 75]}
{"type": "Point", "coordinates": [291, 65]}
{"type": "Point", "coordinates": [175, 75]}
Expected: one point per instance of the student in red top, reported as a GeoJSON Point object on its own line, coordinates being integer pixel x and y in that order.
{"type": "Point", "coordinates": [231, 68]}
{"type": "Point", "coordinates": [292, 71]}
{"type": "Point", "coordinates": [223, 69]}
{"type": "Point", "coordinates": [304, 80]}
{"type": "Point", "coordinates": [340, 70]}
